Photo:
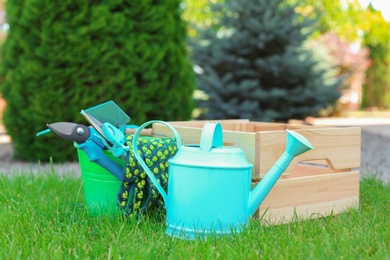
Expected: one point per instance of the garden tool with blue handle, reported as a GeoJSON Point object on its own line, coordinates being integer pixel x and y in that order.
{"type": "Point", "coordinates": [89, 141]}
{"type": "Point", "coordinates": [112, 137]}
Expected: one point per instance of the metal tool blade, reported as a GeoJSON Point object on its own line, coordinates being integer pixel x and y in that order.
{"type": "Point", "coordinates": [95, 124]}
{"type": "Point", "coordinates": [70, 131]}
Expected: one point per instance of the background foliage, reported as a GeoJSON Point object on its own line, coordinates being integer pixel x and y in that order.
{"type": "Point", "coordinates": [365, 30]}
{"type": "Point", "coordinates": [64, 56]}
{"type": "Point", "coordinates": [252, 64]}
{"type": "Point", "coordinates": [377, 38]}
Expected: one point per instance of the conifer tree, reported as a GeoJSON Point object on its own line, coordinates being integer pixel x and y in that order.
{"type": "Point", "coordinates": [251, 64]}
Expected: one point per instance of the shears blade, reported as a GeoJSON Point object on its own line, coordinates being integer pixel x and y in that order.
{"type": "Point", "coordinates": [70, 131]}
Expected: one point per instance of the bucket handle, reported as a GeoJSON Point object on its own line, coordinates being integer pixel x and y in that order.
{"type": "Point", "coordinates": [212, 136]}
{"type": "Point", "coordinates": [142, 162]}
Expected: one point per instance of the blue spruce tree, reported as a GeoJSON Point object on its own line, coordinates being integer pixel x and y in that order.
{"type": "Point", "coordinates": [251, 64]}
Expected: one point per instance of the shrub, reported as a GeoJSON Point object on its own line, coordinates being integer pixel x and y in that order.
{"type": "Point", "coordinates": [64, 56]}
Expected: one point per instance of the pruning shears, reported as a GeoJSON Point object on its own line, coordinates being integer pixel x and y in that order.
{"type": "Point", "coordinates": [89, 141]}
{"type": "Point", "coordinates": [112, 137]}
{"type": "Point", "coordinates": [109, 124]}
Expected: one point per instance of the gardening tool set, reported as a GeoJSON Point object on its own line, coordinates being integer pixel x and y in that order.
{"type": "Point", "coordinates": [205, 188]}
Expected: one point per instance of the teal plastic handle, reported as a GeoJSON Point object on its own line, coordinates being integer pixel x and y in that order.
{"type": "Point", "coordinates": [212, 136]}
{"type": "Point", "coordinates": [142, 162]}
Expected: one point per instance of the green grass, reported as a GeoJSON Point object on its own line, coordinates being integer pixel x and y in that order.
{"type": "Point", "coordinates": [44, 217]}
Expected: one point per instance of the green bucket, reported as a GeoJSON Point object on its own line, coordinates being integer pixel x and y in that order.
{"type": "Point", "coordinates": [100, 186]}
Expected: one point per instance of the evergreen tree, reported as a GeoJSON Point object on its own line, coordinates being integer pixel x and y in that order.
{"type": "Point", "coordinates": [254, 66]}
{"type": "Point", "coordinates": [64, 56]}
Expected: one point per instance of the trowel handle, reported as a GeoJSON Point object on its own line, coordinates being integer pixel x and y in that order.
{"type": "Point", "coordinates": [142, 162]}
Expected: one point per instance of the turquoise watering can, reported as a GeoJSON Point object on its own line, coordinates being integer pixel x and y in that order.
{"type": "Point", "coordinates": [209, 184]}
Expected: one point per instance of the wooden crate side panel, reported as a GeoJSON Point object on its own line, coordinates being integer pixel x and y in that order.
{"type": "Point", "coordinates": [314, 194]}
{"type": "Point", "coordinates": [188, 135]}
{"type": "Point", "coordinates": [245, 141]}
{"type": "Point", "coordinates": [340, 147]}
{"type": "Point", "coordinates": [230, 124]}
{"type": "Point", "coordinates": [260, 126]}
{"type": "Point", "coordinates": [309, 211]}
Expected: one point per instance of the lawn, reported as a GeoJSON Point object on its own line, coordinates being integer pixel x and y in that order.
{"type": "Point", "coordinates": [44, 217]}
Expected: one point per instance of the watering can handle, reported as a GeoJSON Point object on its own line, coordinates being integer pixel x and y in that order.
{"type": "Point", "coordinates": [142, 162]}
{"type": "Point", "coordinates": [212, 136]}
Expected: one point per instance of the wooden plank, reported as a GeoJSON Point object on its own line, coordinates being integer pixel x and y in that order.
{"type": "Point", "coordinates": [188, 135]}
{"type": "Point", "coordinates": [340, 147]}
{"type": "Point", "coordinates": [314, 194]}
{"type": "Point", "coordinates": [308, 211]}
{"type": "Point", "coordinates": [262, 127]}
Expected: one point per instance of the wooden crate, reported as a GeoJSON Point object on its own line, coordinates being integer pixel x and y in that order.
{"type": "Point", "coordinates": [317, 183]}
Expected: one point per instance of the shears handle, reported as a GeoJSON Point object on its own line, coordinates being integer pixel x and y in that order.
{"type": "Point", "coordinates": [93, 147]}
{"type": "Point", "coordinates": [95, 154]}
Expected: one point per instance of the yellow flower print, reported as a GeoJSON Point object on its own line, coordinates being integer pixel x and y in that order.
{"type": "Point", "coordinates": [136, 172]}
{"type": "Point", "coordinates": [154, 159]}
{"type": "Point", "coordinates": [159, 153]}
{"type": "Point", "coordinates": [128, 173]}
{"type": "Point", "coordinates": [141, 184]}
{"type": "Point", "coordinates": [151, 147]}
{"type": "Point", "coordinates": [123, 203]}
{"type": "Point", "coordinates": [162, 166]}
{"type": "Point", "coordinates": [140, 194]}
{"type": "Point", "coordinates": [166, 152]}
{"type": "Point", "coordinates": [125, 195]}
{"type": "Point", "coordinates": [166, 164]}
{"type": "Point", "coordinates": [155, 170]}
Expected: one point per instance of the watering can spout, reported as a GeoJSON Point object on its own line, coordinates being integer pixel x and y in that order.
{"type": "Point", "coordinates": [296, 144]}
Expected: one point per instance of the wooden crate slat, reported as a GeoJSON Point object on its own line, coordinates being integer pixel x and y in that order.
{"type": "Point", "coordinates": [301, 212]}
{"type": "Point", "coordinates": [312, 191]}
{"type": "Point", "coordinates": [339, 146]}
